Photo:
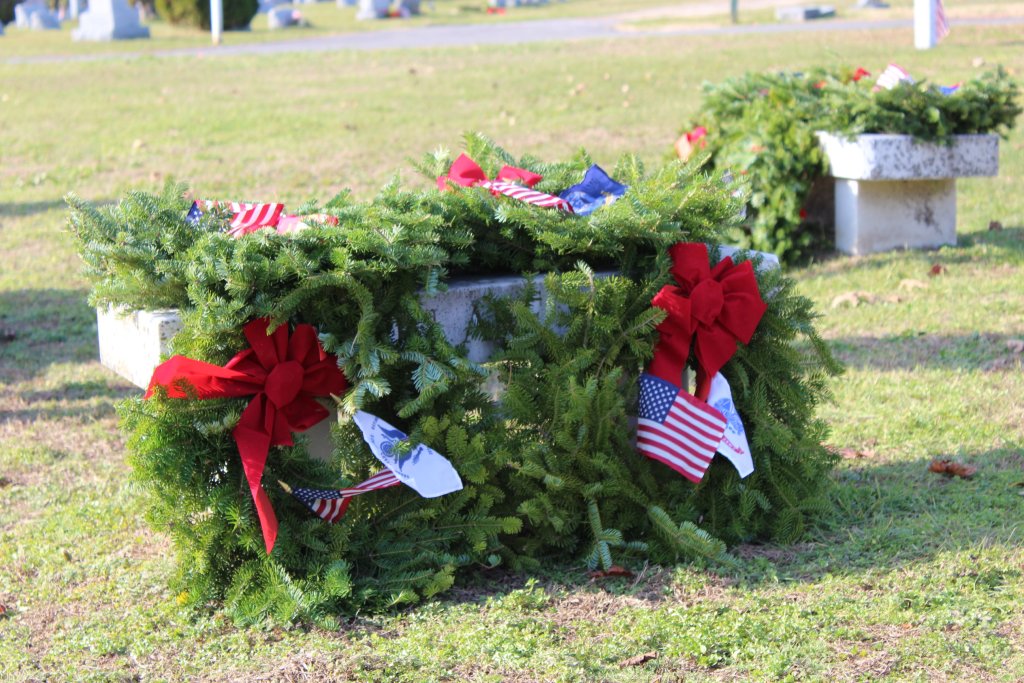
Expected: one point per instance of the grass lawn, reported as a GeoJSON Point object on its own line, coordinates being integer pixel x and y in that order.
{"type": "Point", "coordinates": [911, 577]}
{"type": "Point", "coordinates": [325, 18]}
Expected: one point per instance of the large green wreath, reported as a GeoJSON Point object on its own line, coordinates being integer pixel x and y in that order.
{"type": "Point", "coordinates": [550, 471]}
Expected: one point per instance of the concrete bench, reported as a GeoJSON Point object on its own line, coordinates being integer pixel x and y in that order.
{"type": "Point", "coordinates": [132, 344]}
{"type": "Point", "coordinates": [893, 192]}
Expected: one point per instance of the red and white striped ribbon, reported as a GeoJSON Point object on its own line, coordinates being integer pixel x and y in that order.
{"type": "Point", "coordinates": [525, 194]}
{"type": "Point", "coordinates": [248, 217]}
{"type": "Point", "coordinates": [893, 75]}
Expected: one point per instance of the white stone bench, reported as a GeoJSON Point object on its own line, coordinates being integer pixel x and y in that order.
{"type": "Point", "coordinates": [894, 192]}
{"type": "Point", "coordinates": [133, 344]}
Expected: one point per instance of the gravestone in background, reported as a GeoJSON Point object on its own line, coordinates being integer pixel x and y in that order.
{"type": "Point", "coordinates": [109, 20]}
{"type": "Point", "coordinates": [267, 5]}
{"type": "Point", "coordinates": [373, 9]}
{"type": "Point", "coordinates": [26, 13]}
{"type": "Point", "coordinates": [281, 17]}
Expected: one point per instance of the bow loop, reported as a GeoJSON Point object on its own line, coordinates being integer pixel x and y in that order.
{"type": "Point", "coordinates": [689, 265]}
{"type": "Point", "coordinates": [467, 173]}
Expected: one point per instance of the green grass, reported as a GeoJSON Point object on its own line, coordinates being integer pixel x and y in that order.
{"type": "Point", "coordinates": [911, 577]}
{"type": "Point", "coordinates": [325, 18]}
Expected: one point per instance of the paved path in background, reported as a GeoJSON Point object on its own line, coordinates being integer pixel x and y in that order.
{"type": "Point", "coordinates": [507, 33]}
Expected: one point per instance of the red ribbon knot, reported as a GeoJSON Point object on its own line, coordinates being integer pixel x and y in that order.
{"type": "Point", "coordinates": [283, 373]}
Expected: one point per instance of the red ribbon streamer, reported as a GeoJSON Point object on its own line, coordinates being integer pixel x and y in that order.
{"type": "Point", "coordinates": [282, 373]}
{"type": "Point", "coordinates": [716, 308]}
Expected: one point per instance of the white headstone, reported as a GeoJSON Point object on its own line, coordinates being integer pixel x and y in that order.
{"type": "Point", "coordinates": [281, 17]}
{"type": "Point", "coordinates": [44, 21]}
{"type": "Point", "coordinates": [25, 14]}
{"type": "Point", "coordinates": [109, 20]}
{"type": "Point", "coordinates": [373, 9]}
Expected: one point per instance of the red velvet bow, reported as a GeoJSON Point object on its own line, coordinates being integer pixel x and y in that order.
{"type": "Point", "coordinates": [467, 173]}
{"type": "Point", "coordinates": [282, 375]}
{"type": "Point", "coordinates": [715, 307]}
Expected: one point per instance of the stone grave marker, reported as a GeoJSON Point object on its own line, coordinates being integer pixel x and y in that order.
{"type": "Point", "coordinates": [25, 14]}
{"type": "Point", "coordinates": [805, 13]}
{"type": "Point", "coordinates": [109, 20]}
{"type": "Point", "coordinates": [281, 17]}
{"type": "Point", "coordinates": [373, 9]}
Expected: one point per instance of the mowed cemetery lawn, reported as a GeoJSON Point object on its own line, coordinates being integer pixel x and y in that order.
{"type": "Point", "coordinates": [912, 576]}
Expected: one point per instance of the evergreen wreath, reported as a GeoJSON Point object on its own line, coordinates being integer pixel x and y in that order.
{"type": "Point", "coordinates": [550, 471]}
{"type": "Point", "coordinates": [761, 129]}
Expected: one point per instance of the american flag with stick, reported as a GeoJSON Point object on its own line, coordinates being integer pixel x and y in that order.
{"type": "Point", "coordinates": [331, 504]}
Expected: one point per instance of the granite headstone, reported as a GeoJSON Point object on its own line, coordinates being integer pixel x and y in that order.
{"type": "Point", "coordinates": [109, 20]}
{"type": "Point", "coordinates": [25, 13]}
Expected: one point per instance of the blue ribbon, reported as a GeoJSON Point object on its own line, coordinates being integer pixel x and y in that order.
{"type": "Point", "coordinates": [596, 190]}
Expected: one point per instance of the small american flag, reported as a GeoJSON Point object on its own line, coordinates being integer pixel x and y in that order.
{"type": "Point", "coordinates": [525, 194]}
{"type": "Point", "coordinates": [677, 429]}
{"type": "Point", "coordinates": [893, 75]}
{"type": "Point", "coordinates": [941, 25]}
{"type": "Point", "coordinates": [245, 217]}
{"type": "Point", "coordinates": [330, 505]}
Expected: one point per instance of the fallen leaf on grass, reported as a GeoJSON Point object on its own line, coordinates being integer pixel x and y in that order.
{"type": "Point", "coordinates": [3, 610]}
{"type": "Point", "coordinates": [638, 660]}
{"type": "Point", "coordinates": [952, 469]}
{"type": "Point", "coordinates": [1015, 345]}
{"type": "Point", "coordinates": [854, 454]}
{"type": "Point", "coordinates": [995, 225]}
{"type": "Point", "coordinates": [937, 269]}
{"type": "Point", "coordinates": [854, 299]}
{"type": "Point", "coordinates": [614, 570]}
{"type": "Point", "coordinates": [911, 285]}
{"type": "Point", "coordinates": [5, 482]}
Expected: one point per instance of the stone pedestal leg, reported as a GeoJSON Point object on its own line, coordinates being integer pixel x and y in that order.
{"type": "Point", "coordinates": [880, 215]}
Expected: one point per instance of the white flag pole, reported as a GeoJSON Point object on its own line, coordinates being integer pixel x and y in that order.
{"type": "Point", "coordinates": [924, 24]}
{"type": "Point", "coordinates": [216, 20]}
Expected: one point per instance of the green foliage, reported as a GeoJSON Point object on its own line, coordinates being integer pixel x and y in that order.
{"type": "Point", "coordinates": [238, 14]}
{"type": "Point", "coordinates": [762, 131]}
{"type": "Point", "coordinates": [7, 10]}
{"type": "Point", "coordinates": [549, 469]}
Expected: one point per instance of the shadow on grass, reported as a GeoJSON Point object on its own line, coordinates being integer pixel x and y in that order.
{"type": "Point", "coordinates": [22, 209]}
{"type": "Point", "coordinates": [42, 327]}
{"type": "Point", "coordinates": [885, 517]}
{"type": "Point", "coordinates": [828, 264]}
{"type": "Point", "coordinates": [984, 351]}
{"type": "Point", "coordinates": [897, 514]}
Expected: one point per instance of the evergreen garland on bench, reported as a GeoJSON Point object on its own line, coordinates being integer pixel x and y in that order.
{"type": "Point", "coordinates": [550, 471]}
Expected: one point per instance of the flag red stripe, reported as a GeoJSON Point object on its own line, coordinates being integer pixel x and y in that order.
{"type": "Point", "coordinates": [700, 453]}
{"type": "Point", "coordinates": [694, 474]}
